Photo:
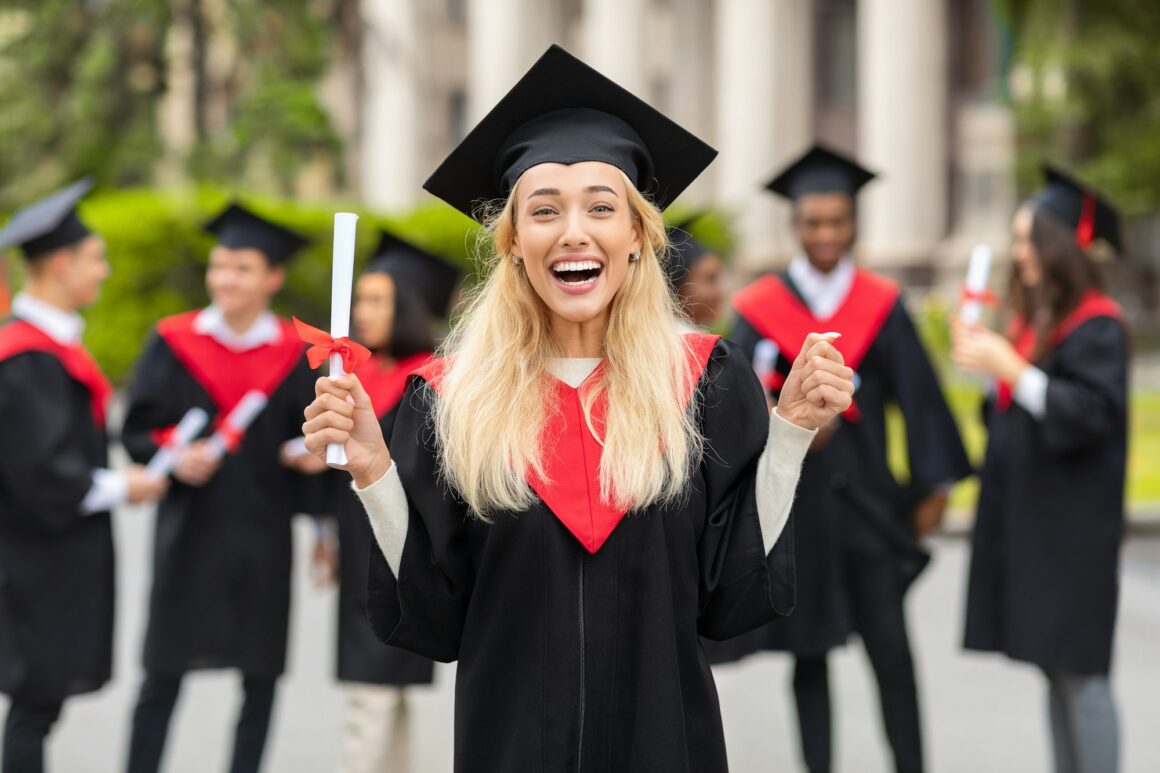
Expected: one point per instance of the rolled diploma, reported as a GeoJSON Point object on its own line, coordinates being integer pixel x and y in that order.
{"type": "Point", "coordinates": [238, 420]}
{"type": "Point", "coordinates": [340, 288]}
{"type": "Point", "coordinates": [978, 271]}
{"type": "Point", "coordinates": [186, 430]}
{"type": "Point", "coordinates": [765, 360]}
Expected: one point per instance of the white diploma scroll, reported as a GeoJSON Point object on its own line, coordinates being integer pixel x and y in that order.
{"type": "Point", "coordinates": [183, 434]}
{"type": "Point", "coordinates": [978, 272]}
{"type": "Point", "coordinates": [765, 360]}
{"type": "Point", "coordinates": [340, 290]}
{"type": "Point", "coordinates": [237, 422]}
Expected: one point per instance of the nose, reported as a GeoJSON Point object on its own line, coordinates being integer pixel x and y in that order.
{"type": "Point", "coordinates": [574, 234]}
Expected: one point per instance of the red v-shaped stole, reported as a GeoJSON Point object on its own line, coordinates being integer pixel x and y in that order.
{"type": "Point", "coordinates": [19, 336]}
{"type": "Point", "coordinates": [777, 313]}
{"type": "Point", "coordinates": [226, 375]}
{"type": "Point", "coordinates": [571, 486]}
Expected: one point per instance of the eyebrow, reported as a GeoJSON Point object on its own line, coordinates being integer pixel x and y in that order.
{"type": "Point", "coordinates": [556, 191]}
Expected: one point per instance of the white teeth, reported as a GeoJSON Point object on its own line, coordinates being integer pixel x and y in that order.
{"type": "Point", "coordinates": [577, 265]}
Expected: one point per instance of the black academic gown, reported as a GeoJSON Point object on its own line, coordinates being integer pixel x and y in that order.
{"type": "Point", "coordinates": [222, 552]}
{"type": "Point", "coordinates": [362, 658]}
{"type": "Point", "coordinates": [1044, 576]}
{"type": "Point", "coordinates": [852, 507]}
{"type": "Point", "coordinates": [571, 660]}
{"type": "Point", "coordinates": [56, 565]}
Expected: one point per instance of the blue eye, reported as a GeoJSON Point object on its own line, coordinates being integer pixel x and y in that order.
{"type": "Point", "coordinates": [603, 208]}
{"type": "Point", "coordinates": [542, 211]}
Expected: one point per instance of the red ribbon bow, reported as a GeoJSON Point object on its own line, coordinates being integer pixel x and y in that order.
{"type": "Point", "coordinates": [323, 345]}
{"type": "Point", "coordinates": [985, 297]}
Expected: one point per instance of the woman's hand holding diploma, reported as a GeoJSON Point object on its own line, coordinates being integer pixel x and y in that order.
{"type": "Point", "coordinates": [342, 413]}
{"type": "Point", "coordinates": [819, 385]}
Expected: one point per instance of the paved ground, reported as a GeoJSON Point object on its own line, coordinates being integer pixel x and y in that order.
{"type": "Point", "coordinates": [982, 714]}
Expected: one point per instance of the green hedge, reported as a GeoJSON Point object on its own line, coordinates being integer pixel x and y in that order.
{"type": "Point", "coordinates": [158, 252]}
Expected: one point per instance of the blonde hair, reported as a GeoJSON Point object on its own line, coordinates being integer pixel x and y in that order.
{"type": "Point", "coordinates": [496, 393]}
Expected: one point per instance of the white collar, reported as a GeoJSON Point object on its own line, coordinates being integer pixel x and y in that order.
{"type": "Point", "coordinates": [573, 371]}
{"type": "Point", "coordinates": [64, 327]}
{"type": "Point", "coordinates": [265, 330]}
{"type": "Point", "coordinates": [823, 293]}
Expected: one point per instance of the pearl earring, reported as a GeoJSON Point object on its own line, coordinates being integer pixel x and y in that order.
{"type": "Point", "coordinates": [517, 260]}
{"type": "Point", "coordinates": [634, 257]}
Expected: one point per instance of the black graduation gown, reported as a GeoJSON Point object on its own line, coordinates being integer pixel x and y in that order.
{"type": "Point", "coordinates": [1044, 576]}
{"type": "Point", "coordinates": [362, 657]}
{"type": "Point", "coordinates": [570, 660]}
{"type": "Point", "coordinates": [56, 565]}
{"type": "Point", "coordinates": [856, 509]}
{"type": "Point", "coordinates": [222, 552]}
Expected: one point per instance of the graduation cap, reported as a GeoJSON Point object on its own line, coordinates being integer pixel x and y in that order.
{"type": "Point", "coordinates": [239, 228]}
{"type": "Point", "coordinates": [416, 269]}
{"type": "Point", "coordinates": [684, 250]}
{"type": "Point", "coordinates": [563, 111]}
{"type": "Point", "coordinates": [820, 170]}
{"type": "Point", "coordinates": [48, 224]}
{"type": "Point", "coordinates": [1080, 208]}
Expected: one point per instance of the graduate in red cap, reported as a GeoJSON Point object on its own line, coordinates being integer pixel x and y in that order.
{"type": "Point", "coordinates": [575, 490]}
{"type": "Point", "coordinates": [222, 545]}
{"type": "Point", "coordinates": [858, 532]}
{"type": "Point", "coordinates": [1044, 577]}
{"type": "Point", "coordinates": [56, 488]}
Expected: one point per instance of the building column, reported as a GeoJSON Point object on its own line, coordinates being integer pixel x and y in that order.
{"type": "Point", "coordinates": [613, 37]}
{"type": "Point", "coordinates": [764, 115]}
{"type": "Point", "coordinates": [504, 38]}
{"type": "Point", "coordinates": [902, 133]}
{"type": "Point", "coordinates": [391, 116]}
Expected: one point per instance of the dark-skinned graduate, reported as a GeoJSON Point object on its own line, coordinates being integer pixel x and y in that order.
{"type": "Point", "coordinates": [1044, 576]}
{"type": "Point", "coordinates": [574, 490]}
{"type": "Point", "coordinates": [56, 487]}
{"type": "Point", "coordinates": [222, 548]}
{"type": "Point", "coordinates": [857, 536]}
{"type": "Point", "coordinates": [398, 299]}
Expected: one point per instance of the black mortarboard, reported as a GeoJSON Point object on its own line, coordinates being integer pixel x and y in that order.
{"type": "Point", "coordinates": [1079, 207]}
{"type": "Point", "coordinates": [820, 170]}
{"type": "Point", "coordinates": [684, 250]}
{"type": "Point", "coordinates": [564, 111]}
{"type": "Point", "coordinates": [416, 270]}
{"type": "Point", "coordinates": [48, 224]}
{"type": "Point", "coordinates": [239, 228]}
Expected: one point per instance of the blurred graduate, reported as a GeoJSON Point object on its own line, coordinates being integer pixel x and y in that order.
{"type": "Point", "coordinates": [222, 544]}
{"type": "Point", "coordinates": [56, 488]}
{"type": "Point", "coordinates": [1044, 576]}
{"type": "Point", "coordinates": [397, 299]}
{"type": "Point", "coordinates": [858, 526]}
{"type": "Point", "coordinates": [695, 273]}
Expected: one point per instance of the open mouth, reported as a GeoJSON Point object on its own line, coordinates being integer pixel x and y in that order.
{"type": "Point", "coordinates": [577, 272]}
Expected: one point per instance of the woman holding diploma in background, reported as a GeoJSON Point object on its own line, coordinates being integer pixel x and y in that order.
{"type": "Point", "coordinates": [1045, 561]}
{"type": "Point", "coordinates": [395, 300]}
{"type": "Point", "coordinates": [575, 490]}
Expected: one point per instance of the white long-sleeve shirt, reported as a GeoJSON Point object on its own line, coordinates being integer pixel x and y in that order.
{"type": "Point", "coordinates": [778, 470]}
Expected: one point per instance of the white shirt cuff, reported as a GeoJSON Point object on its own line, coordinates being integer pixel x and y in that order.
{"type": "Point", "coordinates": [386, 504]}
{"type": "Point", "coordinates": [778, 471]}
{"type": "Point", "coordinates": [110, 489]}
{"type": "Point", "coordinates": [1031, 391]}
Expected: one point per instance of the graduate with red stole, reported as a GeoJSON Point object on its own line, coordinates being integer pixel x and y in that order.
{"type": "Point", "coordinates": [396, 300]}
{"type": "Point", "coordinates": [858, 526]}
{"type": "Point", "coordinates": [56, 488]}
{"type": "Point", "coordinates": [1044, 577]}
{"type": "Point", "coordinates": [222, 546]}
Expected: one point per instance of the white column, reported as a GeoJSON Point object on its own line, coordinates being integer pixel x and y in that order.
{"type": "Point", "coordinates": [504, 37]}
{"type": "Point", "coordinates": [392, 119]}
{"type": "Point", "coordinates": [613, 32]}
{"type": "Point", "coordinates": [764, 116]}
{"type": "Point", "coordinates": [902, 95]}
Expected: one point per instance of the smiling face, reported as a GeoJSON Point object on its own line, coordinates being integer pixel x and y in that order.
{"type": "Point", "coordinates": [574, 232]}
{"type": "Point", "coordinates": [241, 281]}
{"type": "Point", "coordinates": [825, 227]}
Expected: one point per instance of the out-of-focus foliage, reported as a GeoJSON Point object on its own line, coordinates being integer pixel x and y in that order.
{"type": "Point", "coordinates": [1086, 88]}
{"type": "Point", "coordinates": [86, 88]}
